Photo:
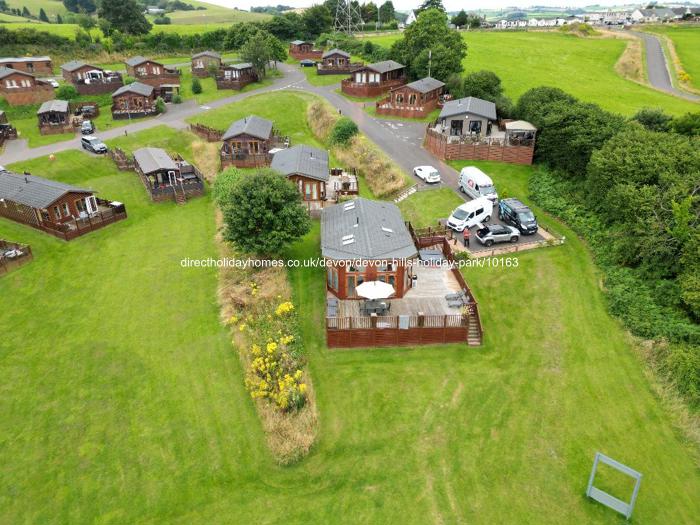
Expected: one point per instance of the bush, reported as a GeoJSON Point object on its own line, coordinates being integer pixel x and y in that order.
{"type": "Point", "coordinates": [635, 299]}
{"type": "Point", "coordinates": [160, 105]}
{"type": "Point", "coordinates": [653, 119]}
{"type": "Point", "coordinates": [177, 99]}
{"type": "Point", "coordinates": [343, 131]}
{"type": "Point", "coordinates": [162, 20]}
{"type": "Point", "coordinates": [67, 92]}
{"type": "Point", "coordinates": [196, 86]}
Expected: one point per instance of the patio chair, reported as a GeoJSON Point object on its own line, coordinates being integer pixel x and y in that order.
{"type": "Point", "coordinates": [453, 296]}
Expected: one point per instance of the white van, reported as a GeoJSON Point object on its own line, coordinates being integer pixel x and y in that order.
{"type": "Point", "coordinates": [476, 183]}
{"type": "Point", "coordinates": [470, 214]}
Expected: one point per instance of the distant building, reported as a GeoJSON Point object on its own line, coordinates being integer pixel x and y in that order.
{"type": "Point", "coordinates": [412, 17]}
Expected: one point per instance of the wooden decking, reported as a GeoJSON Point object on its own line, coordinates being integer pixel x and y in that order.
{"type": "Point", "coordinates": [428, 296]}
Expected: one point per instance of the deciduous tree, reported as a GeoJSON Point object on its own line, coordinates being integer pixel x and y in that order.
{"type": "Point", "coordinates": [264, 213]}
{"type": "Point", "coordinates": [125, 16]}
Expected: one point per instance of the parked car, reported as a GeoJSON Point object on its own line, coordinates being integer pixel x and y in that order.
{"type": "Point", "coordinates": [53, 82]}
{"type": "Point", "coordinates": [470, 214]}
{"type": "Point", "coordinates": [427, 174]}
{"type": "Point", "coordinates": [494, 233]}
{"type": "Point", "coordinates": [514, 212]}
{"type": "Point", "coordinates": [87, 127]}
{"type": "Point", "coordinates": [476, 183]}
{"type": "Point", "coordinates": [307, 63]}
{"type": "Point", "coordinates": [93, 144]}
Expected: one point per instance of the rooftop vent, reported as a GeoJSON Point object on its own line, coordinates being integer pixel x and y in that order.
{"type": "Point", "coordinates": [387, 230]}
{"type": "Point", "coordinates": [348, 239]}
{"type": "Point", "coordinates": [349, 206]}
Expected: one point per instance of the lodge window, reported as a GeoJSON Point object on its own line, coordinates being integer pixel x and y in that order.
{"type": "Point", "coordinates": [399, 98]}
{"type": "Point", "coordinates": [412, 99]}
{"type": "Point", "coordinates": [141, 71]}
{"type": "Point", "coordinates": [66, 209]}
{"type": "Point", "coordinates": [80, 206]}
{"type": "Point", "coordinates": [57, 212]}
{"type": "Point", "coordinates": [332, 278]}
{"type": "Point", "coordinates": [255, 147]}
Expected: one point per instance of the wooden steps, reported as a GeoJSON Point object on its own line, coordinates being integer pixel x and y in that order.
{"type": "Point", "coordinates": [474, 338]}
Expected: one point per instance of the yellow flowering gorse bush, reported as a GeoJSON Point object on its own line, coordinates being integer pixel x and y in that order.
{"type": "Point", "coordinates": [275, 371]}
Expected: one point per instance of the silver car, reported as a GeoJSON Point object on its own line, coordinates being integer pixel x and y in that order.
{"type": "Point", "coordinates": [493, 233]}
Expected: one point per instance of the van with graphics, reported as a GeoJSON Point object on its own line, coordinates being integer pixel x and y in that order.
{"type": "Point", "coordinates": [476, 183]}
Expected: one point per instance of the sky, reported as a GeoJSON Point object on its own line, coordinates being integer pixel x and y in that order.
{"type": "Point", "coordinates": [450, 5]}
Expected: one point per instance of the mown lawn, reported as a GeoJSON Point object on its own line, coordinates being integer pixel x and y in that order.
{"type": "Point", "coordinates": [425, 207]}
{"type": "Point", "coordinates": [320, 80]}
{"type": "Point", "coordinates": [121, 398]}
{"type": "Point", "coordinates": [583, 67]}
{"type": "Point", "coordinates": [286, 109]}
{"type": "Point", "coordinates": [686, 40]}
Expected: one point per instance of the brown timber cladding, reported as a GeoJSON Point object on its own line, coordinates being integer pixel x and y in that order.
{"type": "Point", "coordinates": [438, 146]}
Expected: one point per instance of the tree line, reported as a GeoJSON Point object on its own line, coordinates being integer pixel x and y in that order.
{"type": "Point", "coordinates": [631, 188]}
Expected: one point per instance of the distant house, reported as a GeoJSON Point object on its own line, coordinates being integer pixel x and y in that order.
{"type": "Point", "coordinates": [204, 62]}
{"type": "Point", "coordinates": [34, 65]}
{"type": "Point", "coordinates": [414, 100]}
{"type": "Point", "coordinates": [20, 88]}
{"type": "Point", "coordinates": [133, 101]}
{"type": "Point", "coordinates": [466, 116]}
{"type": "Point", "coordinates": [307, 168]}
{"type": "Point", "coordinates": [165, 80]}
{"type": "Point", "coordinates": [59, 209]}
{"type": "Point", "coordinates": [89, 79]}
{"type": "Point", "coordinates": [54, 117]}
{"type": "Point", "coordinates": [301, 49]}
{"type": "Point", "coordinates": [236, 76]}
{"type": "Point", "coordinates": [166, 178]}
{"type": "Point", "coordinates": [412, 17]}
{"type": "Point", "coordinates": [154, 10]}
{"type": "Point", "coordinates": [647, 16]}
{"type": "Point", "coordinates": [374, 79]}
{"type": "Point", "coordinates": [248, 143]}
{"type": "Point", "coordinates": [336, 62]}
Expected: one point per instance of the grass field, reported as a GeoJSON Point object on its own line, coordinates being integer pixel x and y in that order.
{"type": "Point", "coordinates": [286, 109]}
{"type": "Point", "coordinates": [320, 80]}
{"type": "Point", "coordinates": [686, 40]}
{"type": "Point", "coordinates": [424, 208]}
{"type": "Point", "coordinates": [213, 14]}
{"type": "Point", "coordinates": [52, 7]}
{"type": "Point", "coordinates": [583, 67]}
{"type": "Point", "coordinates": [121, 399]}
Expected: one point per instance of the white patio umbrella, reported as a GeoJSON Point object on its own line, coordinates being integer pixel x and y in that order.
{"type": "Point", "coordinates": [375, 290]}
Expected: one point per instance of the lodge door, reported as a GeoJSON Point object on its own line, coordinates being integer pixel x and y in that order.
{"type": "Point", "coordinates": [456, 127]}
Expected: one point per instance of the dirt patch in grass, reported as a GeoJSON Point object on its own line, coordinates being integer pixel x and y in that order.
{"type": "Point", "coordinates": [206, 158]}
{"type": "Point", "coordinates": [630, 65]}
{"type": "Point", "coordinates": [289, 435]}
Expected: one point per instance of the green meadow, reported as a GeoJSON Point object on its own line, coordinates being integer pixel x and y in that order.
{"type": "Point", "coordinates": [584, 67]}
{"type": "Point", "coordinates": [122, 398]}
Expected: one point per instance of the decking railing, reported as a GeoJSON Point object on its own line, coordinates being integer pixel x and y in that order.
{"type": "Point", "coordinates": [23, 255]}
{"type": "Point", "coordinates": [375, 331]}
{"type": "Point", "coordinates": [67, 231]}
